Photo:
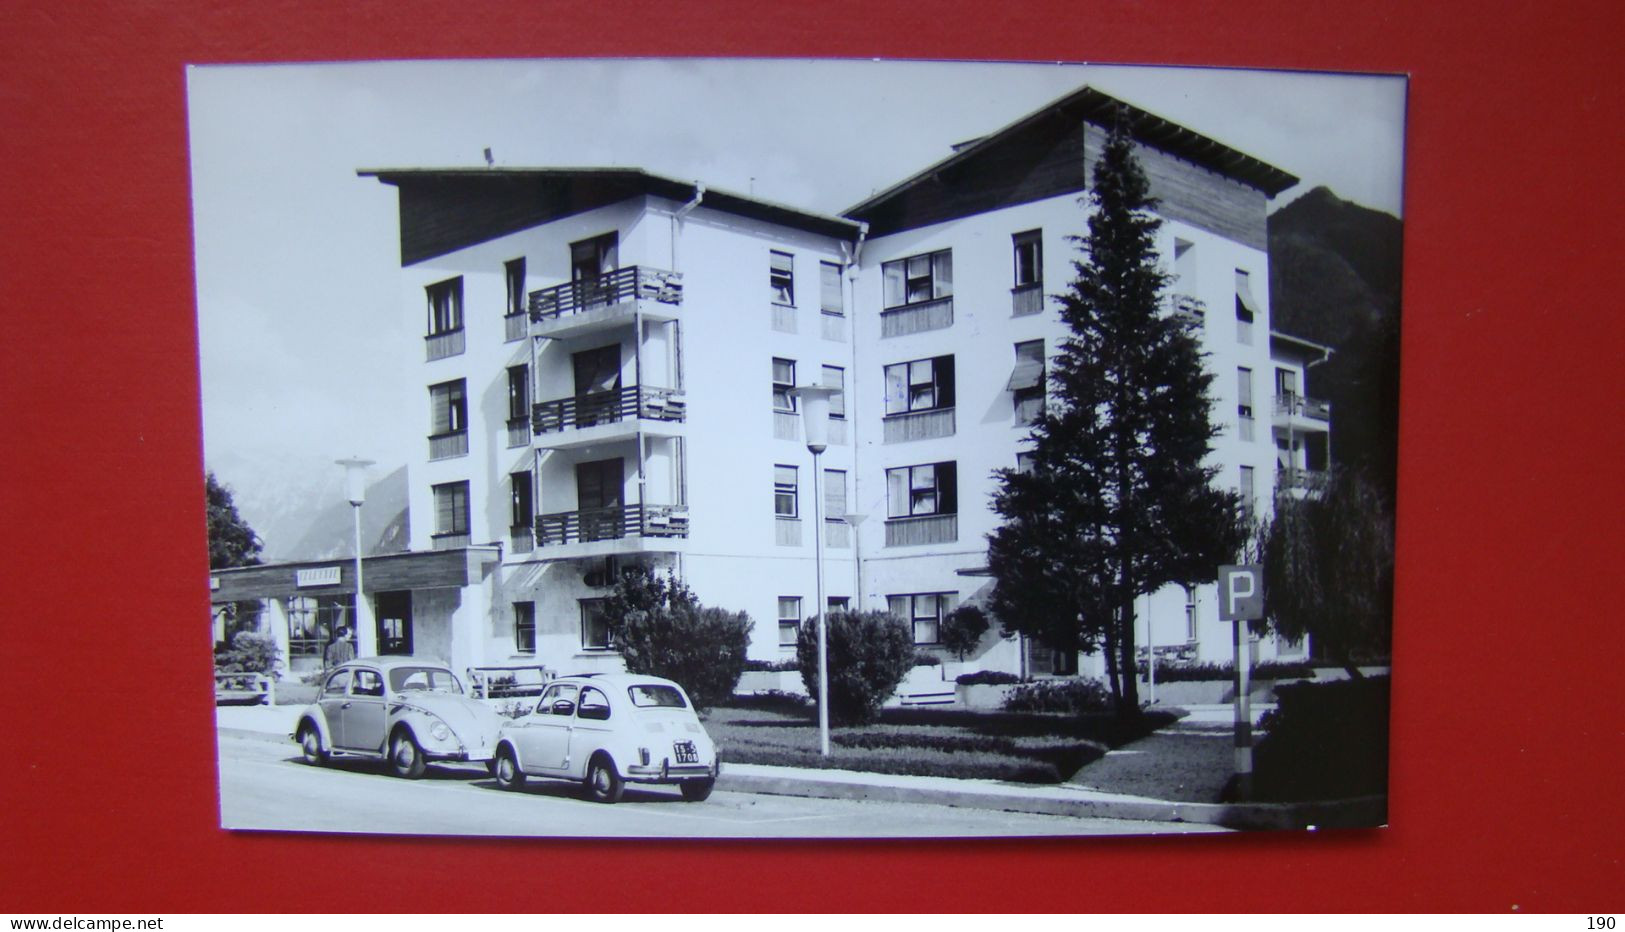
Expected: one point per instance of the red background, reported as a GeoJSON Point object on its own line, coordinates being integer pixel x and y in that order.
{"type": "Point", "coordinates": [1507, 734]}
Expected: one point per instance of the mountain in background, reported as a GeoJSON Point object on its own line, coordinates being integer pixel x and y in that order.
{"type": "Point", "coordinates": [297, 506]}
{"type": "Point", "coordinates": [1335, 272]}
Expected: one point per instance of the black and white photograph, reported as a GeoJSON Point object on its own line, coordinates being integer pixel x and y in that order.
{"type": "Point", "coordinates": [701, 448]}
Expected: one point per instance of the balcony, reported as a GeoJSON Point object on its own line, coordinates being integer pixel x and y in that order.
{"type": "Point", "coordinates": [442, 345]}
{"type": "Point", "coordinates": [1298, 413]}
{"type": "Point", "coordinates": [1187, 308]}
{"type": "Point", "coordinates": [582, 420]}
{"type": "Point", "coordinates": [446, 446]}
{"type": "Point", "coordinates": [922, 529]}
{"type": "Point", "coordinates": [1299, 482]}
{"type": "Point", "coordinates": [594, 532]}
{"type": "Point", "coordinates": [1026, 300]}
{"type": "Point", "coordinates": [917, 318]}
{"type": "Point", "coordinates": [610, 300]}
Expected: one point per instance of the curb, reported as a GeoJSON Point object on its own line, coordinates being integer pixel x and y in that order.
{"type": "Point", "coordinates": [1363, 812]}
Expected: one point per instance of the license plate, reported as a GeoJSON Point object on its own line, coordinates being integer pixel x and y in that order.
{"type": "Point", "coordinates": [686, 754]}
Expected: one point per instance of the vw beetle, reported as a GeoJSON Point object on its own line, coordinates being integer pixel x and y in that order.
{"type": "Point", "coordinates": [607, 730]}
{"type": "Point", "coordinates": [406, 711]}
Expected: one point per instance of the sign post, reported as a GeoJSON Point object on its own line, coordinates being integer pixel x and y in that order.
{"type": "Point", "coordinates": [1241, 599]}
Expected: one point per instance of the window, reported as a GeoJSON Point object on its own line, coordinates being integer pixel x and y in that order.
{"type": "Point", "coordinates": [367, 683]}
{"type": "Point", "coordinates": [918, 279]}
{"type": "Point", "coordinates": [448, 408]}
{"type": "Point", "coordinates": [451, 509]}
{"type": "Point", "coordinates": [594, 705]}
{"type": "Point", "coordinates": [514, 272]}
{"type": "Point", "coordinates": [839, 604]}
{"type": "Point", "coordinates": [1244, 393]}
{"type": "Point", "coordinates": [518, 393]}
{"type": "Point", "coordinates": [524, 627]}
{"type": "Point", "coordinates": [930, 489]}
{"type": "Point", "coordinates": [834, 494]}
{"type": "Point", "coordinates": [784, 492]}
{"type": "Point", "coordinates": [835, 377]}
{"type": "Point", "coordinates": [445, 306]}
{"type": "Point", "coordinates": [522, 510]}
{"type": "Point", "coordinates": [1246, 308]}
{"type": "Point", "coordinates": [337, 684]}
{"type": "Point", "coordinates": [1247, 492]}
{"type": "Point", "coordinates": [784, 381]}
{"type": "Point", "coordinates": [653, 696]}
{"type": "Point", "coordinates": [1029, 250]}
{"type": "Point", "coordinates": [920, 385]}
{"type": "Point", "coordinates": [1286, 383]}
{"type": "Point", "coordinates": [789, 619]}
{"type": "Point", "coordinates": [312, 621]}
{"type": "Point", "coordinates": [557, 694]}
{"type": "Point", "coordinates": [782, 277]}
{"type": "Point", "coordinates": [830, 300]}
{"type": "Point", "coordinates": [1190, 615]}
{"type": "Point", "coordinates": [1184, 266]}
{"type": "Point", "coordinates": [1026, 463]}
{"type": "Point", "coordinates": [1027, 381]}
{"type": "Point", "coordinates": [923, 612]}
{"type": "Point", "coordinates": [594, 625]}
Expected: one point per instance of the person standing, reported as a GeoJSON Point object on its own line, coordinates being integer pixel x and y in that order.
{"type": "Point", "coordinates": [340, 650]}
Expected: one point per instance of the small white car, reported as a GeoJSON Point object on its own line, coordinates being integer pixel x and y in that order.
{"type": "Point", "coordinates": [404, 711]}
{"type": "Point", "coordinates": [607, 730]}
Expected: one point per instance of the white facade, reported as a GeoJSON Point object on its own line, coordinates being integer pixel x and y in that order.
{"type": "Point", "coordinates": [689, 361]}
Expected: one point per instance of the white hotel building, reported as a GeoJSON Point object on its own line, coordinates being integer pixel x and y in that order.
{"type": "Point", "coordinates": [605, 374]}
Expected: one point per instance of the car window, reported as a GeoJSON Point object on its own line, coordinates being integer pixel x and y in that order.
{"type": "Point", "coordinates": [594, 705]}
{"type": "Point", "coordinates": [655, 695]}
{"type": "Point", "coordinates": [367, 683]}
{"type": "Point", "coordinates": [412, 679]}
{"type": "Point", "coordinates": [337, 684]}
{"type": "Point", "coordinates": [556, 694]}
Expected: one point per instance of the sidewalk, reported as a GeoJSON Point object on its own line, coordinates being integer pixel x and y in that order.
{"type": "Point", "coordinates": [1091, 794]}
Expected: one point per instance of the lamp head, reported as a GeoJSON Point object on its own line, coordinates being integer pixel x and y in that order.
{"type": "Point", "coordinates": [355, 479]}
{"type": "Point", "coordinates": [814, 402]}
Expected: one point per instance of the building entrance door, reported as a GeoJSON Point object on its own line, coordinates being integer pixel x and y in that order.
{"type": "Point", "coordinates": [394, 622]}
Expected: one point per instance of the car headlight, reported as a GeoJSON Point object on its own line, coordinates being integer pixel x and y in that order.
{"type": "Point", "coordinates": [439, 731]}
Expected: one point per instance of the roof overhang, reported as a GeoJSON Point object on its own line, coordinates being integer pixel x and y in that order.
{"type": "Point", "coordinates": [1298, 344]}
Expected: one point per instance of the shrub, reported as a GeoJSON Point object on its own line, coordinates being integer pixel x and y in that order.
{"type": "Point", "coordinates": [250, 652]}
{"type": "Point", "coordinates": [1324, 741]}
{"type": "Point", "coordinates": [662, 630]}
{"type": "Point", "coordinates": [1211, 672]}
{"type": "Point", "coordinates": [869, 654]}
{"type": "Point", "coordinates": [962, 630]}
{"type": "Point", "coordinates": [923, 659]}
{"type": "Point", "coordinates": [987, 678]}
{"type": "Point", "coordinates": [776, 700]}
{"type": "Point", "coordinates": [1074, 696]}
{"type": "Point", "coordinates": [771, 666]}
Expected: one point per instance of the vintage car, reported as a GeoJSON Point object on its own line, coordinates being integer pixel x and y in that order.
{"type": "Point", "coordinates": [406, 711]}
{"type": "Point", "coordinates": [607, 730]}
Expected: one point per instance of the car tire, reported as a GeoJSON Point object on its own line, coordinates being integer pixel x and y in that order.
{"type": "Point", "coordinates": [603, 784]}
{"type": "Point", "coordinates": [405, 756]}
{"type": "Point", "coordinates": [506, 769]}
{"type": "Point", "coordinates": [697, 791]}
{"type": "Point", "coordinates": [310, 745]}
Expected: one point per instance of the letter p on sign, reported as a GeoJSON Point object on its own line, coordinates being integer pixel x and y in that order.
{"type": "Point", "coordinates": [1241, 592]}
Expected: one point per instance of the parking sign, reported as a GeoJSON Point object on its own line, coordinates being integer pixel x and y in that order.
{"type": "Point", "coordinates": [1241, 592]}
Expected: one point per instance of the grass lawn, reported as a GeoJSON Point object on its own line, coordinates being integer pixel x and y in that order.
{"type": "Point", "coordinates": [1025, 748]}
{"type": "Point", "coordinates": [1183, 764]}
{"type": "Point", "coordinates": [293, 692]}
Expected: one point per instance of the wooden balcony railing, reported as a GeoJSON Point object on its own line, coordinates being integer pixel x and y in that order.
{"type": "Point", "coordinates": [917, 318]}
{"type": "Point", "coordinates": [1183, 305]}
{"type": "Point", "coordinates": [633, 401]}
{"type": "Point", "coordinates": [446, 446]}
{"type": "Point", "coordinates": [607, 290]}
{"type": "Point", "coordinates": [1026, 299]}
{"type": "Point", "coordinates": [922, 529]}
{"type": "Point", "coordinates": [613, 523]}
{"type": "Point", "coordinates": [1291, 404]}
{"type": "Point", "coordinates": [441, 345]}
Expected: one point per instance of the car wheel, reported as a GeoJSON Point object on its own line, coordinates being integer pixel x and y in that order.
{"type": "Point", "coordinates": [604, 785]}
{"type": "Point", "coordinates": [507, 771]}
{"type": "Point", "coordinates": [310, 745]}
{"type": "Point", "coordinates": [697, 791]}
{"type": "Point", "coordinates": [405, 757]}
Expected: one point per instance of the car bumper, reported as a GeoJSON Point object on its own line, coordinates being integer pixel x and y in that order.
{"type": "Point", "coordinates": [672, 773]}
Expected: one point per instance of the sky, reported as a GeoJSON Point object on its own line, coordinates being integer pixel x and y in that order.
{"type": "Point", "coordinates": [306, 353]}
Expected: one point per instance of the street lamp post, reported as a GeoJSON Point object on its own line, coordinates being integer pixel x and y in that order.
{"type": "Point", "coordinates": [814, 400]}
{"type": "Point", "coordinates": [355, 489]}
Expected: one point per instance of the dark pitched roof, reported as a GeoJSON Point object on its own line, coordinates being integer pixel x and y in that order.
{"type": "Point", "coordinates": [446, 209]}
{"type": "Point", "coordinates": [1037, 135]}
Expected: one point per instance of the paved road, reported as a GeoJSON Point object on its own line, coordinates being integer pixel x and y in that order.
{"type": "Point", "coordinates": [264, 785]}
